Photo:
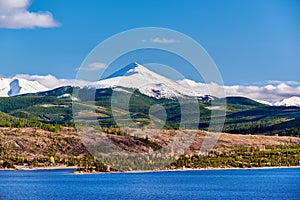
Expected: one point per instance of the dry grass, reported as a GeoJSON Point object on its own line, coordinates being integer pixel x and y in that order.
{"type": "Point", "coordinates": [36, 143]}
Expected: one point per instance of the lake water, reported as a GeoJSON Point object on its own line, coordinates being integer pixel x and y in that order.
{"type": "Point", "coordinates": [206, 184]}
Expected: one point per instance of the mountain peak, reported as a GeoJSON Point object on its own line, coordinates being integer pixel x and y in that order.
{"type": "Point", "coordinates": [130, 69]}
{"type": "Point", "coordinates": [148, 82]}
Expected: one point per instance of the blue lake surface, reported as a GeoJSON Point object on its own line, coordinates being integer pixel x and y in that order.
{"type": "Point", "coordinates": [206, 184]}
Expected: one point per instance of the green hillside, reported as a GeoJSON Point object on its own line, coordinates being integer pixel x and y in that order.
{"type": "Point", "coordinates": [53, 108]}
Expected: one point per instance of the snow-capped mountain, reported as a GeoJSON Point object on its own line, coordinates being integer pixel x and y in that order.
{"type": "Point", "coordinates": [292, 101]}
{"type": "Point", "coordinates": [264, 102]}
{"type": "Point", "coordinates": [17, 86]}
{"type": "Point", "coordinates": [147, 81]}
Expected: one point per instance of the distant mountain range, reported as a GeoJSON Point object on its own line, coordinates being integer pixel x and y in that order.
{"type": "Point", "coordinates": [134, 76]}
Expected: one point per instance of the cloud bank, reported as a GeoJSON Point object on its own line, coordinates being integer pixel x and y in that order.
{"type": "Point", "coordinates": [14, 14]}
{"type": "Point", "coordinates": [267, 93]}
{"type": "Point", "coordinates": [270, 93]}
{"type": "Point", "coordinates": [48, 81]}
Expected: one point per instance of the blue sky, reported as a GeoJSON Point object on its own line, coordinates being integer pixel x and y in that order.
{"type": "Point", "coordinates": [250, 41]}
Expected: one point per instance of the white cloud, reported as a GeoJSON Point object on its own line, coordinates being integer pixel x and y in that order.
{"type": "Point", "coordinates": [94, 66]}
{"type": "Point", "coordinates": [285, 82]}
{"type": "Point", "coordinates": [270, 93]}
{"type": "Point", "coordinates": [163, 40]}
{"type": "Point", "coordinates": [52, 82]}
{"type": "Point", "coordinates": [48, 81]}
{"type": "Point", "coordinates": [14, 14]}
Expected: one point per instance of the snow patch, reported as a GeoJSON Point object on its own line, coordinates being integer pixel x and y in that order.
{"type": "Point", "coordinates": [292, 101]}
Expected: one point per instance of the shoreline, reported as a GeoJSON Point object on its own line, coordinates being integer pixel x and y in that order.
{"type": "Point", "coordinates": [186, 169]}
{"type": "Point", "coordinates": [22, 168]}
{"type": "Point", "coordinates": [143, 171]}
